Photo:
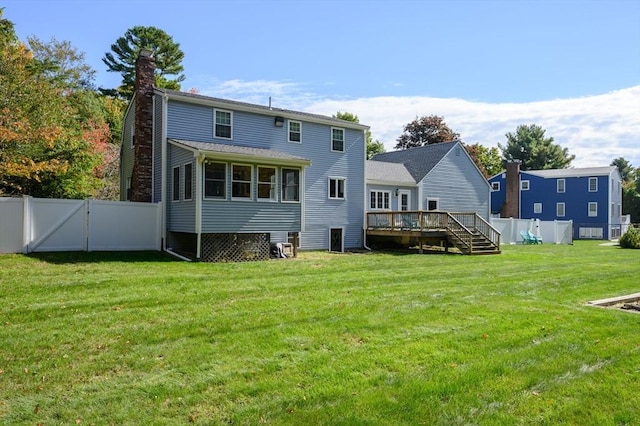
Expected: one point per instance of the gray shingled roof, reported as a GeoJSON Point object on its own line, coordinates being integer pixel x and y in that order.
{"type": "Point", "coordinates": [561, 173]}
{"type": "Point", "coordinates": [261, 108]}
{"type": "Point", "coordinates": [420, 160]}
{"type": "Point", "coordinates": [239, 150]}
{"type": "Point", "coordinates": [383, 171]}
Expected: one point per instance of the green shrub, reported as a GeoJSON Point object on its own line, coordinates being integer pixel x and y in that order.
{"type": "Point", "coordinates": [631, 238]}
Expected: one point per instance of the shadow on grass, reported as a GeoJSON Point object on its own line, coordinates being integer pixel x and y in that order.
{"type": "Point", "coordinates": [61, 258]}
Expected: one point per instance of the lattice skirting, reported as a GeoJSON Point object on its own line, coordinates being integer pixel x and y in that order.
{"type": "Point", "coordinates": [234, 247]}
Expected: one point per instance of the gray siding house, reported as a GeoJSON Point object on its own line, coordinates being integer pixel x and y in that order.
{"type": "Point", "coordinates": [235, 177]}
{"type": "Point", "coordinates": [433, 177]}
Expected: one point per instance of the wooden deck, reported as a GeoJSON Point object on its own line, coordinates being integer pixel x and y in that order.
{"type": "Point", "coordinates": [467, 232]}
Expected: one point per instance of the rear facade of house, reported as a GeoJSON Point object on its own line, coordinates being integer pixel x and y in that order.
{"type": "Point", "coordinates": [234, 174]}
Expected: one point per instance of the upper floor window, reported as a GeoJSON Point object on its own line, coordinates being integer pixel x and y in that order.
{"type": "Point", "coordinates": [188, 181]}
{"type": "Point", "coordinates": [379, 200]}
{"type": "Point", "coordinates": [176, 184]}
{"type": "Point", "coordinates": [295, 131]}
{"type": "Point", "coordinates": [560, 209]}
{"type": "Point", "coordinates": [241, 181]}
{"type": "Point", "coordinates": [524, 185]}
{"type": "Point", "coordinates": [593, 184]}
{"type": "Point", "coordinates": [223, 123]}
{"type": "Point", "coordinates": [337, 139]}
{"type": "Point", "coordinates": [593, 209]}
{"type": "Point", "coordinates": [290, 184]}
{"type": "Point", "coordinates": [560, 185]}
{"type": "Point", "coordinates": [267, 183]}
{"type": "Point", "coordinates": [215, 180]}
{"type": "Point", "coordinates": [336, 188]}
{"type": "Point", "coordinates": [495, 186]}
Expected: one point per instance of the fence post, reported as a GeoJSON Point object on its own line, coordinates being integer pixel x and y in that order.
{"type": "Point", "coordinates": [26, 223]}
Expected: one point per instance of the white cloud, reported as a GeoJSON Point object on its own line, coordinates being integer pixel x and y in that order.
{"type": "Point", "coordinates": [596, 129]}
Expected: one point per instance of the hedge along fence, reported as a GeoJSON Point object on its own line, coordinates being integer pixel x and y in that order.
{"type": "Point", "coordinates": [42, 224]}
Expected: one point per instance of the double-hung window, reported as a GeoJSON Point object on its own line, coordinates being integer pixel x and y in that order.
{"type": "Point", "coordinates": [215, 180]}
{"type": "Point", "coordinates": [537, 208]}
{"type": "Point", "coordinates": [188, 181]}
{"type": "Point", "coordinates": [560, 185]}
{"type": "Point", "coordinates": [593, 209]}
{"type": "Point", "coordinates": [379, 200]}
{"type": "Point", "coordinates": [176, 184]}
{"type": "Point", "coordinates": [593, 184]}
{"type": "Point", "coordinates": [336, 188]}
{"type": "Point", "coordinates": [337, 139]}
{"type": "Point", "coordinates": [290, 184]}
{"type": "Point", "coordinates": [223, 124]}
{"type": "Point", "coordinates": [524, 185]}
{"type": "Point", "coordinates": [267, 183]}
{"type": "Point", "coordinates": [495, 186]}
{"type": "Point", "coordinates": [560, 209]}
{"type": "Point", "coordinates": [295, 131]}
{"type": "Point", "coordinates": [241, 181]}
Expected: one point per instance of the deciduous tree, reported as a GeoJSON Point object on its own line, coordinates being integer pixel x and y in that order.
{"type": "Point", "coordinates": [487, 159]}
{"type": "Point", "coordinates": [425, 130]}
{"type": "Point", "coordinates": [535, 151]}
{"type": "Point", "coordinates": [167, 54]}
{"type": "Point", "coordinates": [373, 147]}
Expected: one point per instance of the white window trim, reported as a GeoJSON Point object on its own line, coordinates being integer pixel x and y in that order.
{"type": "Point", "coordinates": [534, 208]}
{"type": "Point", "coordinates": [175, 199]}
{"type": "Point", "coordinates": [402, 192]}
{"type": "Point", "coordinates": [595, 213]}
{"type": "Point", "coordinates": [344, 187]}
{"type": "Point", "coordinates": [289, 122]}
{"type": "Point", "coordinates": [282, 184]}
{"type": "Point", "coordinates": [226, 182]}
{"type": "Point", "coordinates": [384, 193]}
{"type": "Point", "coordinates": [524, 185]}
{"type": "Point", "coordinates": [344, 137]}
{"type": "Point", "coordinates": [214, 123]}
{"type": "Point", "coordinates": [258, 183]}
{"type": "Point", "coordinates": [184, 183]}
{"type": "Point", "coordinates": [564, 186]}
{"type": "Point", "coordinates": [564, 210]}
{"type": "Point", "coordinates": [497, 186]}
{"type": "Point", "coordinates": [251, 182]}
{"type": "Point", "coordinates": [593, 179]}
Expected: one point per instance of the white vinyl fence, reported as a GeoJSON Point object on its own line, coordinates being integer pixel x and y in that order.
{"type": "Point", "coordinates": [41, 224]}
{"type": "Point", "coordinates": [554, 232]}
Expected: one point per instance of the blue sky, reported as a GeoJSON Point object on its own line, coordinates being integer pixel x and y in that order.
{"type": "Point", "coordinates": [572, 67]}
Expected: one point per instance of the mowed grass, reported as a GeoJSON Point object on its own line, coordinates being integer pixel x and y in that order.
{"type": "Point", "coordinates": [325, 339]}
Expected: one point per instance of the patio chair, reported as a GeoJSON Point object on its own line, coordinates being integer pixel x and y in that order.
{"type": "Point", "coordinates": [525, 238]}
{"type": "Point", "coordinates": [534, 239]}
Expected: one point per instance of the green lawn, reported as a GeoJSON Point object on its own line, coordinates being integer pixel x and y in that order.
{"type": "Point", "coordinates": [364, 339]}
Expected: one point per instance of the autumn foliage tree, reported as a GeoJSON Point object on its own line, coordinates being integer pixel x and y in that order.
{"type": "Point", "coordinates": [425, 130]}
{"type": "Point", "coordinates": [52, 133]}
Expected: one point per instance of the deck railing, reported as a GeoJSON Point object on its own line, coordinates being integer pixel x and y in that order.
{"type": "Point", "coordinates": [460, 226]}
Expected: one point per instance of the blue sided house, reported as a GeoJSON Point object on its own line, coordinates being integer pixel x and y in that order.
{"type": "Point", "coordinates": [590, 197]}
{"type": "Point", "coordinates": [236, 178]}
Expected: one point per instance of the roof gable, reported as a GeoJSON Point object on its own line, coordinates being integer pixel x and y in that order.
{"type": "Point", "coordinates": [419, 161]}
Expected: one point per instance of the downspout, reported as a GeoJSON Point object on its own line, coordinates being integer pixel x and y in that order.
{"type": "Point", "coordinates": [163, 185]}
{"type": "Point", "coordinates": [364, 202]}
{"type": "Point", "coordinates": [199, 166]}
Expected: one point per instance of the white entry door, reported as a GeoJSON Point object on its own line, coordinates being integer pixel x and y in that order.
{"type": "Point", "coordinates": [404, 200]}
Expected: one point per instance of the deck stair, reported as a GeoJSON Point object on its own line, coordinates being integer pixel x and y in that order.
{"type": "Point", "coordinates": [467, 232]}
